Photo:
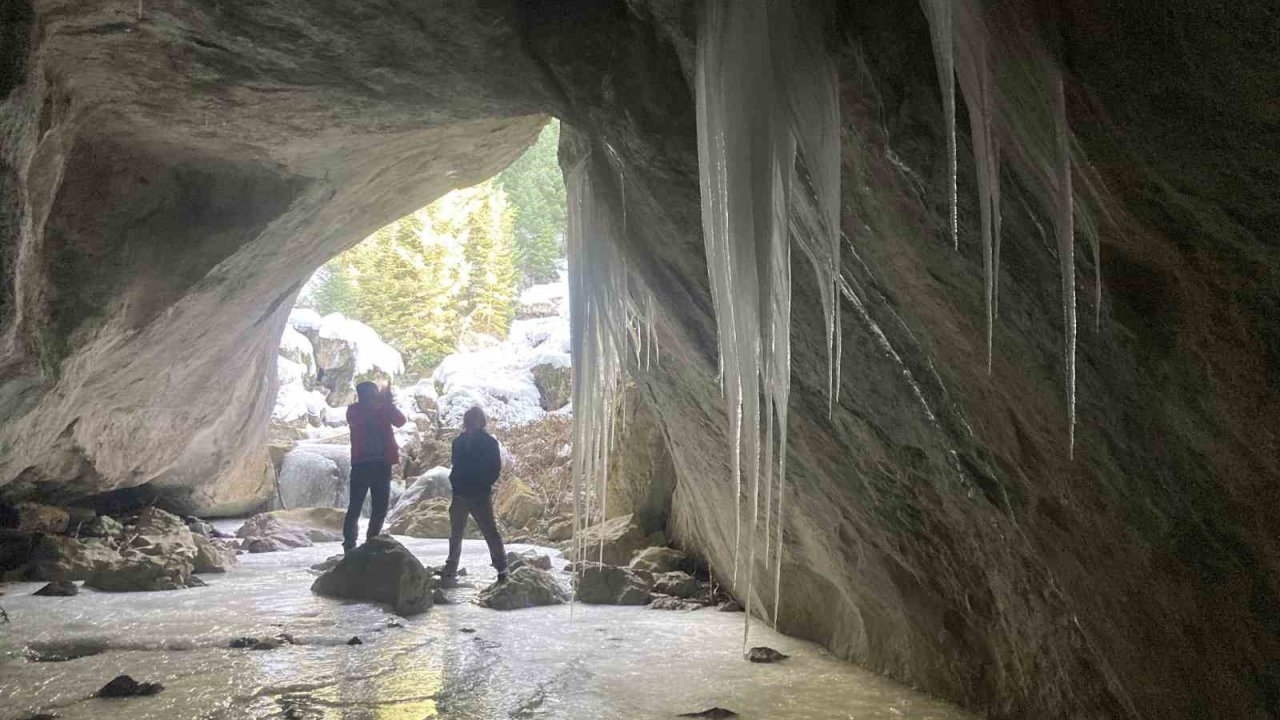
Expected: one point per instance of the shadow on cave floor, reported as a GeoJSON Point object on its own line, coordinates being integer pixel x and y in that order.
{"type": "Point", "coordinates": [456, 661]}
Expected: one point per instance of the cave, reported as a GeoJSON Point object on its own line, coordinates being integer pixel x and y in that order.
{"type": "Point", "coordinates": [1036, 515]}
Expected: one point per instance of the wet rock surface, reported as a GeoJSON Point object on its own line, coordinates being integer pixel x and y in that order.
{"type": "Point", "coordinates": [612, 585]}
{"type": "Point", "coordinates": [59, 588]}
{"type": "Point", "coordinates": [615, 541]}
{"type": "Point", "coordinates": [381, 570]}
{"type": "Point", "coordinates": [765, 655]}
{"type": "Point", "coordinates": [526, 587]}
{"type": "Point", "coordinates": [123, 686]}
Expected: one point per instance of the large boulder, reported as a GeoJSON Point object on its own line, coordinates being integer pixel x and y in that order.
{"type": "Point", "coordinates": [527, 586]}
{"type": "Point", "coordinates": [660, 560]}
{"type": "Point", "coordinates": [611, 585]}
{"type": "Point", "coordinates": [554, 381]}
{"type": "Point", "coordinates": [531, 558]}
{"type": "Point", "coordinates": [35, 517]}
{"type": "Point", "coordinates": [678, 584]}
{"type": "Point", "coordinates": [432, 485]}
{"type": "Point", "coordinates": [426, 519]}
{"type": "Point", "coordinates": [309, 479]}
{"type": "Point", "coordinates": [138, 572]}
{"type": "Point", "coordinates": [288, 529]}
{"type": "Point", "coordinates": [212, 555]}
{"type": "Point", "coordinates": [56, 557]}
{"type": "Point", "coordinates": [621, 538]}
{"type": "Point", "coordinates": [383, 571]}
{"type": "Point", "coordinates": [517, 505]}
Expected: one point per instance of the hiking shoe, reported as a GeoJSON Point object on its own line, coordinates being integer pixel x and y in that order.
{"type": "Point", "coordinates": [503, 575]}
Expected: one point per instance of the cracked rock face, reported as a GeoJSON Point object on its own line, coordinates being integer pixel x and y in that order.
{"type": "Point", "coordinates": [166, 185]}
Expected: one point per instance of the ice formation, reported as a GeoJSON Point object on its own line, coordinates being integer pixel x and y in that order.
{"type": "Point", "coordinates": [768, 177]}
{"type": "Point", "coordinates": [1064, 225]}
{"type": "Point", "coordinates": [940, 28]}
{"type": "Point", "coordinates": [370, 352]}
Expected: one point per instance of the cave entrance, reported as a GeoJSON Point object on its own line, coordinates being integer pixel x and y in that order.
{"type": "Point", "coordinates": [460, 303]}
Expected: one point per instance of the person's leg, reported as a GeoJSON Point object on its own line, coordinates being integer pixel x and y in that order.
{"type": "Point", "coordinates": [351, 523]}
{"type": "Point", "coordinates": [457, 526]}
{"type": "Point", "coordinates": [482, 511]}
{"type": "Point", "coordinates": [380, 494]}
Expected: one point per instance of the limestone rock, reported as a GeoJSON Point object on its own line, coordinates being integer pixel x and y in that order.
{"type": "Point", "coordinates": [555, 384]}
{"type": "Point", "coordinates": [103, 526]}
{"type": "Point", "coordinates": [383, 571]}
{"type": "Point", "coordinates": [212, 556]}
{"type": "Point", "coordinates": [309, 479]}
{"type": "Point", "coordinates": [678, 584]}
{"type": "Point", "coordinates": [527, 586]}
{"type": "Point", "coordinates": [37, 518]}
{"type": "Point", "coordinates": [660, 560]}
{"type": "Point", "coordinates": [56, 557]}
{"type": "Point", "coordinates": [317, 518]}
{"type": "Point", "coordinates": [59, 588]}
{"type": "Point", "coordinates": [427, 519]}
{"type": "Point", "coordinates": [517, 505]}
{"type": "Point", "coordinates": [530, 558]}
{"type": "Point", "coordinates": [136, 572]}
{"type": "Point", "coordinates": [622, 539]}
{"type": "Point", "coordinates": [611, 585]}
{"type": "Point", "coordinates": [667, 602]}
{"type": "Point", "coordinates": [432, 485]}
{"type": "Point", "coordinates": [287, 529]}
{"type": "Point", "coordinates": [560, 530]}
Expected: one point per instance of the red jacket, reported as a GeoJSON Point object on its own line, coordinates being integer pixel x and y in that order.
{"type": "Point", "coordinates": [376, 417]}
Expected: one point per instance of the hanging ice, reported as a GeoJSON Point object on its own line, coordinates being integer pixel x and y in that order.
{"type": "Point", "coordinates": [1064, 224]}
{"type": "Point", "coordinates": [768, 176]}
{"type": "Point", "coordinates": [940, 27]}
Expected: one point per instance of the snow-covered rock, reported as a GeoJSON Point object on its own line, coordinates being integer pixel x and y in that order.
{"type": "Point", "coordinates": [308, 479]}
{"type": "Point", "coordinates": [297, 347]}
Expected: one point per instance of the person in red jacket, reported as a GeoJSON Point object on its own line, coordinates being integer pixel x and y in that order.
{"type": "Point", "coordinates": [373, 452]}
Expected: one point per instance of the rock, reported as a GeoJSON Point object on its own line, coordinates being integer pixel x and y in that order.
{"type": "Point", "coordinates": [528, 557]}
{"type": "Point", "coordinates": [730, 606]}
{"type": "Point", "coordinates": [622, 540]}
{"type": "Point", "coordinates": [381, 570]}
{"type": "Point", "coordinates": [438, 597]}
{"type": "Point", "coordinates": [55, 557]}
{"type": "Point", "coordinates": [679, 584]}
{"type": "Point", "coordinates": [102, 526]}
{"type": "Point", "coordinates": [560, 530]}
{"type": "Point", "coordinates": [765, 655]}
{"type": "Point", "coordinates": [527, 586]}
{"type": "Point", "coordinates": [309, 479]}
{"type": "Point", "coordinates": [517, 505]}
{"type": "Point", "coordinates": [667, 602]}
{"type": "Point", "coordinates": [242, 642]}
{"type": "Point", "coordinates": [555, 384]}
{"type": "Point", "coordinates": [715, 712]}
{"type": "Point", "coordinates": [611, 585]}
{"type": "Point", "coordinates": [200, 527]}
{"type": "Point", "coordinates": [156, 523]}
{"type": "Point", "coordinates": [58, 588]}
{"type": "Point", "coordinates": [124, 686]}
{"type": "Point", "coordinates": [136, 572]}
{"type": "Point", "coordinates": [212, 556]}
{"type": "Point", "coordinates": [660, 560]}
{"type": "Point", "coordinates": [355, 641]}
{"type": "Point", "coordinates": [271, 643]}
{"type": "Point", "coordinates": [288, 529]}
{"type": "Point", "coordinates": [37, 518]}
{"type": "Point", "coordinates": [427, 519]}
{"type": "Point", "coordinates": [433, 485]}
{"type": "Point", "coordinates": [317, 518]}
{"type": "Point", "coordinates": [328, 563]}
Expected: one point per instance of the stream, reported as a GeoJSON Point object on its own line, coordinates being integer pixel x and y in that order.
{"type": "Point", "coordinates": [457, 661]}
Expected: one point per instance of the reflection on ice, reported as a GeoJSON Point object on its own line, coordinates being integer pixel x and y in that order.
{"type": "Point", "coordinates": [609, 662]}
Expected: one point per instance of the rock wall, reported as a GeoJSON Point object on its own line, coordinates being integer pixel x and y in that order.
{"type": "Point", "coordinates": [167, 182]}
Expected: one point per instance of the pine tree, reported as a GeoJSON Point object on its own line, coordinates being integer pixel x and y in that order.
{"type": "Point", "coordinates": [535, 193]}
{"type": "Point", "coordinates": [488, 302]}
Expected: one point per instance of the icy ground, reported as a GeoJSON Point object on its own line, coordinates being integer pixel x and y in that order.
{"type": "Point", "coordinates": [608, 662]}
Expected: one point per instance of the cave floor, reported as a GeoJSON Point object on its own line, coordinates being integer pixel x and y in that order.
{"type": "Point", "coordinates": [455, 661]}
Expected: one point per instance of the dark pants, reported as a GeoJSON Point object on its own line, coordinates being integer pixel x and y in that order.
{"type": "Point", "coordinates": [479, 507]}
{"type": "Point", "coordinates": [373, 478]}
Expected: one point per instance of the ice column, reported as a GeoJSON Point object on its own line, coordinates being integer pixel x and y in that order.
{"type": "Point", "coordinates": [769, 158]}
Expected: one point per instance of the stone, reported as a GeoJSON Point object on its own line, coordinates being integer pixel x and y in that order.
{"type": "Point", "coordinates": [718, 713]}
{"type": "Point", "coordinates": [555, 384]}
{"type": "Point", "coordinates": [55, 557]}
{"type": "Point", "coordinates": [200, 527]}
{"type": "Point", "coordinates": [667, 602]}
{"type": "Point", "coordinates": [103, 526]}
{"type": "Point", "coordinates": [355, 640]}
{"type": "Point", "coordinates": [679, 584]}
{"type": "Point", "coordinates": [526, 587]}
{"type": "Point", "coordinates": [212, 556]}
{"type": "Point", "coordinates": [289, 529]}
{"type": "Point", "coordinates": [611, 585]}
{"type": "Point", "coordinates": [432, 485]}
{"type": "Point", "coordinates": [729, 606]}
{"type": "Point", "coordinates": [58, 588]}
{"type": "Point", "coordinates": [383, 571]}
{"type": "Point", "coordinates": [309, 479]}
{"type": "Point", "coordinates": [560, 530]}
{"type": "Point", "coordinates": [136, 572]}
{"type": "Point", "coordinates": [528, 557]}
{"type": "Point", "coordinates": [428, 519]}
{"type": "Point", "coordinates": [660, 560]}
{"type": "Point", "coordinates": [318, 518]}
{"type": "Point", "coordinates": [622, 540]}
{"type": "Point", "coordinates": [38, 518]}
{"type": "Point", "coordinates": [517, 505]}
{"type": "Point", "coordinates": [328, 563]}
{"type": "Point", "coordinates": [438, 597]}
{"type": "Point", "coordinates": [123, 686]}
{"type": "Point", "coordinates": [765, 655]}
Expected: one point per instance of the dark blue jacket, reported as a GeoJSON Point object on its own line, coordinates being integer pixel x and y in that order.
{"type": "Point", "coordinates": [477, 461]}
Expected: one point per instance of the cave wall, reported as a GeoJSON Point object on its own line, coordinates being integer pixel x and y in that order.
{"type": "Point", "coordinates": [166, 184]}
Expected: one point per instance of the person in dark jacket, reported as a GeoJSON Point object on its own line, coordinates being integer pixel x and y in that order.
{"type": "Point", "coordinates": [373, 453]}
{"type": "Point", "coordinates": [477, 462]}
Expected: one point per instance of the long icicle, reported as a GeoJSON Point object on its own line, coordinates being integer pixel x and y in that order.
{"type": "Point", "coordinates": [1065, 226]}
{"type": "Point", "coordinates": [939, 14]}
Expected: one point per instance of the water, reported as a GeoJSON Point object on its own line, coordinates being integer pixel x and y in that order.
{"type": "Point", "coordinates": [609, 662]}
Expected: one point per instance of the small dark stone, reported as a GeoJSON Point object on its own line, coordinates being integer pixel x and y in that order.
{"type": "Point", "coordinates": [715, 712]}
{"type": "Point", "coordinates": [355, 640]}
{"type": "Point", "coordinates": [243, 642]}
{"type": "Point", "coordinates": [195, 581]}
{"type": "Point", "coordinates": [730, 606]}
{"type": "Point", "coordinates": [125, 686]}
{"type": "Point", "coordinates": [59, 588]}
{"type": "Point", "coordinates": [765, 655]}
{"type": "Point", "coordinates": [467, 630]}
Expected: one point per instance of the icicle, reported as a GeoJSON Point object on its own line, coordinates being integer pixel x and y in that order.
{"type": "Point", "coordinates": [940, 27]}
{"type": "Point", "coordinates": [767, 177]}
{"type": "Point", "coordinates": [1064, 224]}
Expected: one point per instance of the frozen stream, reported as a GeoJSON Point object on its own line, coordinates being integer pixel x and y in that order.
{"type": "Point", "coordinates": [609, 662]}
